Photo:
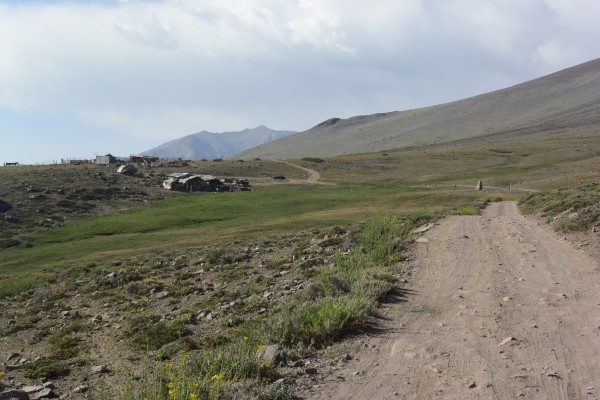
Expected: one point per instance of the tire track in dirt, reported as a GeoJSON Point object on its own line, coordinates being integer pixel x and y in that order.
{"type": "Point", "coordinates": [478, 280]}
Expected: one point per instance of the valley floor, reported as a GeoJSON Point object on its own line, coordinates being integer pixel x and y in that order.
{"type": "Point", "coordinates": [501, 308]}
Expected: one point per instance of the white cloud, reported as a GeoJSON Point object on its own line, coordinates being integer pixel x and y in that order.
{"type": "Point", "coordinates": [163, 69]}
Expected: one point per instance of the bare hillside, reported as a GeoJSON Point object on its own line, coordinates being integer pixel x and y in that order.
{"type": "Point", "coordinates": [565, 99]}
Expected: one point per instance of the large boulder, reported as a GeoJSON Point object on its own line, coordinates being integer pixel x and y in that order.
{"type": "Point", "coordinates": [272, 354]}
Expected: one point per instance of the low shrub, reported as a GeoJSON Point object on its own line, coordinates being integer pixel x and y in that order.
{"type": "Point", "coordinates": [570, 209]}
{"type": "Point", "coordinates": [468, 210]}
{"type": "Point", "coordinates": [17, 284]}
{"type": "Point", "coordinates": [63, 345]}
{"type": "Point", "coordinates": [313, 159]}
{"type": "Point", "coordinates": [225, 255]}
{"type": "Point", "coordinates": [46, 368]}
{"type": "Point", "coordinates": [148, 332]}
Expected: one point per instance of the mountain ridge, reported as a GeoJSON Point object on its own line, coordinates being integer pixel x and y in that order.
{"type": "Point", "coordinates": [210, 145]}
{"type": "Point", "coordinates": [570, 97]}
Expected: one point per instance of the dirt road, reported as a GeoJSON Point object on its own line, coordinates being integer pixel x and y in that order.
{"type": "Point", "coordinates": [501, 308]}
{"type": "Point", "coordinates": [312, 175]}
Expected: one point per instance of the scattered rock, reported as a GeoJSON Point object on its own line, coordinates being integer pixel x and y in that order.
{"type": "Point", "coordinates": [31, 389]}
{"type": "Point", "coordinates": [44, 394]}
{"type": "Point", "coordinates": [100, 369]}
{"type": "Point", "coordinates": [268, 295]}
{"type": "Point", "coordinates": [11, 219]}
{"type": "Point", "coordinates": [423, 228]}
{"type": "Point", "coordinates": [162, 295]}
{"type": "Point", "coordinates": [273, 354]}
{"type": "Point", "coordinates": [472, 385]}
{"type": "Point", "coordinates": [97, 318]}
{"type": "Point", "coordinates": [435, 369]}
{"type": "Point", "coordinates": [310, 371]}
{"type": "Point", "coordinates": [80, 389]}
{"type": "Point", "coordinates": [12, 356]}
{"type": "Point", "coordinates": [507, 340]}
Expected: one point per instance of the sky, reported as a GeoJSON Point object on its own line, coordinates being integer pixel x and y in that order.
{"type": "Point", "coordinates": [80, 78]}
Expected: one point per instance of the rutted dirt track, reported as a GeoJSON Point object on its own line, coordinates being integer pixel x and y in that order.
{"type": "Point", "coordinates": [475, 282]}
{"type": "Point", "coordinates": [312, 175]}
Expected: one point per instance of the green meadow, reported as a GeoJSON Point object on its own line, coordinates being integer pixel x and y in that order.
{"type": "Point", "coordinates": [364, 186]}
{"type": "Point", "coordinates": [190, 220]}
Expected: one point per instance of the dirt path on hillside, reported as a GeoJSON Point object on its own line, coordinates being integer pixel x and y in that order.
{"type": "Point", "coordinates": [313, 176]}
{"type": "Point", "coordinates": [501, 308]}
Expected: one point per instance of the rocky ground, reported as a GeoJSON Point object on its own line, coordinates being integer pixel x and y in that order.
{"type": "Point", "coordinates": [61, 340]}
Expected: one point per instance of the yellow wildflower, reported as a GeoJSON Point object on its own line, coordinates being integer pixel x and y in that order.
{"type": "Point", "coordinates": [246, 338]}
{"type": "Point", "coordinates": [217, 377]}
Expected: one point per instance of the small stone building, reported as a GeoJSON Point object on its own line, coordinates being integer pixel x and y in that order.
{"type": "Point", "coordinates": [106, 159]}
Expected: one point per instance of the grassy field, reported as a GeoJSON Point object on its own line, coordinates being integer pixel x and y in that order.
{"type": "Point", "coordinates": [184, 220]}
{"type": "Point", "coordinates": [365, 186]}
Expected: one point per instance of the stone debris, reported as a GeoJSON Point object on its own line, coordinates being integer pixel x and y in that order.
{"type": "Point", "coordinates": [97, 318]}
{"type": "Point", "coordinates": [80, 389]}
{"type": "Point", "coordinates": [423, 228]}
{"type": "Point", "coordinates": [100, 369]}
{"type": "Point", "coordinates": [272, 354]}
{"type": "Point", "coordinates": [46, 393]}
{"type": "Point", "coordinates": [507, 340]}
{"type": "Point", "coordinates": [31, 389]}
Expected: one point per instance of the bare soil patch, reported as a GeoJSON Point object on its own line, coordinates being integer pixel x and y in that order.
{"type": "Point", "coordinates": [501, 308]}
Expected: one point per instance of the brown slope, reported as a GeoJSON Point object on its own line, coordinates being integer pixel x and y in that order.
{"type": "Point", "coordinates": [568, 98]}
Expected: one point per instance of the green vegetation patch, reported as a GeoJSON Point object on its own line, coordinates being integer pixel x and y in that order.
{"type": "Point", "coordinates": [149, 332]}
{"type": "Point", "coordinates": [567, 209]}
{"type": "Point", "coordinates": [12, 285]}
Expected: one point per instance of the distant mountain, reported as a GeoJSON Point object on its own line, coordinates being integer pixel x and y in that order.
{"type": "Point", "coordinates": [562, 100]}
{"type": "Point", "coordinates": [210, 145]}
